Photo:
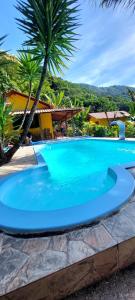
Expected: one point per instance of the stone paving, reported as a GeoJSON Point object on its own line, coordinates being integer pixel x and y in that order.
{"type": "Point", "coordinates": [52, 267]}
{"type": "Point", "coordinates": [23, 158]}
{"type": "Point", "coordinates": [58, 265]}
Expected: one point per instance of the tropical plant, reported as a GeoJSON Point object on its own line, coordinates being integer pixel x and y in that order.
{"type": "Point", "coordinates": [132, 105]}
{"type": "Point", "coordinates": [29, 69]}
{"type": "Point", "coordinates": [80, 118]}
{"type": "Point", "coordinates": [50, 28]}
{"type": "Point", "coordinates": [95, 130]}
{"type": "Point", "coordinates": [130, 130]}
{"type": "Point", "coordinates": [73, 131]}
{"type": "Point", "coordinates": [7, 134]}
{"type": "Point", "coordinates": [6, 84]}
{"type": "Point", "coordinates": [76, 123]}
{"type": "Point", "coordinates": [3, 61]}
{"type": "Point", "coordinates": [56, 99]}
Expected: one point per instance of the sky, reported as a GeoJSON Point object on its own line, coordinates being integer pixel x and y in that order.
{"type": "Point", "coordinates": [105, 52]}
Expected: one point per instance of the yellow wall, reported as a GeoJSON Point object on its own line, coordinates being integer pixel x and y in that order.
{"type": "Point", "coordinates": [45, 119]}
{"type": "Point", "coordinates": [35, 131]}
{"type": "Point", "coordinates": [104, 122]}
{"type": "Point", "coordinates": [19, 102]}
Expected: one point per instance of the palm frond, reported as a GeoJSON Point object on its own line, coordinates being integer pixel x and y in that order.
{"type": "Point", "coordinates": [3, 60]}
{"type": "Point", "coordinates": [2, 40]}
{"type": "Point", "coordinates": [29, 67]}
{"type": "Point", "coordinates": [50, 27]}
{"type": "Point", "coordinates": [115, 3]}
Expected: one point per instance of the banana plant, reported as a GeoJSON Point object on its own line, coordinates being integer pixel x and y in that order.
{"type": "Point", "coordinates": [56, 99]}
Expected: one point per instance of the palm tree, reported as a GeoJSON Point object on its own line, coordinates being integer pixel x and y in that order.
{"type": "Point", "coordinates": [50, 27]}
{"type": "Point", "coordinates": [114, 3]}
{"type": "Point", "coordinates": [29, 70]}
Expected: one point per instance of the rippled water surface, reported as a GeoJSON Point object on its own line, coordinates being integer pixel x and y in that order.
{"type": "Point", "coordinates": [77, 173]}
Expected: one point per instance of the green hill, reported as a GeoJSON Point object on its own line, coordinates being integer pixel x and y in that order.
{"type": "Point", "coordinates": [75, 94]}
{"type": "Point", "coordinates": [97, 98]}
{"type": "Point", "coordinates": [115, 90]}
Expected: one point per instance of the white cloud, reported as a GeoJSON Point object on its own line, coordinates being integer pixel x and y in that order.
{"type": "Point", "coordinates": [107, 50]}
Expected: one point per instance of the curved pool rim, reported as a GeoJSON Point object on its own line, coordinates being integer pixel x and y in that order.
{"type": "Point", "coordinates": [16, 221]}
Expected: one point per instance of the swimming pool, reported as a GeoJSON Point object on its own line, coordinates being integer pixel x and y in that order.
{"type": "Point", "coordinates": [75, 182]}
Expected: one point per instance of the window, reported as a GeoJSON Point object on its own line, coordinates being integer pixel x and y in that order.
{"type": "Point", "coordinates": [35, 123]}
{"type": "Point", "coordinates": [18, 121]}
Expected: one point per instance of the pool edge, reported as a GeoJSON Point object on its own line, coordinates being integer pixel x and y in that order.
{"type": "Point", "coordinates": [113, 194]}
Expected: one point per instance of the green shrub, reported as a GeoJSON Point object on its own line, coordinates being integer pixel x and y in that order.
{"type": "Point", "coordinates": [70, 131]}
{"type": "Point", "coordinates": [130, 130]}
{"type": "Point", "coordinates": [95, 130]}
{"type": "Point", "coordinates": [74, 131]}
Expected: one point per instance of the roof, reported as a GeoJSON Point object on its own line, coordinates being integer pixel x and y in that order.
{"type": "Point", "coordinates": [109, 115]}
{"type": "Point", "coordinates": [13, 92]}
{"type": "Point", "coordinates": [58, 114]}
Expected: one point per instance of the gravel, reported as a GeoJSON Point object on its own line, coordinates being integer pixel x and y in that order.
{"type": "Point", "coordinates": [121, 286]}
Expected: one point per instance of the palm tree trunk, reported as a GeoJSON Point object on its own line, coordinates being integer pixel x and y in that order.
{"type": "Point", "coordinates": [108, 121]}
{"type": "Point", "coordinates": [27, 105]}
{"type": "Point", "coordinates": [2, 154]}
{"type": "Point", "coordinates": [9, 154]}
{"type": "Point", "coordinates": [6, 157]}
{"type": "Point", "coordinates": [31, 116]}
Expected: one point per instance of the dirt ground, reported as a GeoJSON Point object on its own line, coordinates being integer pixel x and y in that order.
{"type": "Point", "coordinates": [120, 286]}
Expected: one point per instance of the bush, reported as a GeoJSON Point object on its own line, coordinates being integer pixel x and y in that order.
{"type": "Point", "coordinates": [70, 131]}
{"type": "Point", "coordinates": [74, 131]}
{"type": "Point", "coordinates": [95, 130]}
{"type": "Point", "coordinates": [130, 130]}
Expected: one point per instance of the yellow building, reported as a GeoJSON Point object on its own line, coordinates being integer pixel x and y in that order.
{"type": "Point", "coordinates": [104, 118]}
{"type": "Point", "coordinates": [42, 125]}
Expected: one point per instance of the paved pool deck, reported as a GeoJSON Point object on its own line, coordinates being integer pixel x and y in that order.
{"type": "Point", "coordinates": [52, 267]}
{"type": "Point", "coordinates": [22, 159]}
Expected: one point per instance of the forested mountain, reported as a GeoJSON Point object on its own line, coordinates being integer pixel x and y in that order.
{"type": "Point", "coordinates": [99, 99]}
{"type": "Point", "coordinates": [75, 94]}
{"type": "Point", "coordinates": [115, 90]}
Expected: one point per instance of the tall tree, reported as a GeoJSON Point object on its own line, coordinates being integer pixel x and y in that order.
{"type": "Point", "coordinates": [50, 27]}
{"type": "Point", "coordinates": [29, 69]}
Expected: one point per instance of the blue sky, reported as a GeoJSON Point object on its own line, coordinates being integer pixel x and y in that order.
{"type": "Point", "coordinates": [106, 48]}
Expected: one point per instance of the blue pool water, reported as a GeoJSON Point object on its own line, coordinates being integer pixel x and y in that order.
{"type": "Point", "coordinates": [77, 173]}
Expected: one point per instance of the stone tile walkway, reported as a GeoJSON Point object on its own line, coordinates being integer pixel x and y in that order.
{"type": "Point", "coordinates": [120, 286]}
{"type": "Point", "coordinates": [22, 159]}
{"type": "Point", "coordinates": [52, 267]}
